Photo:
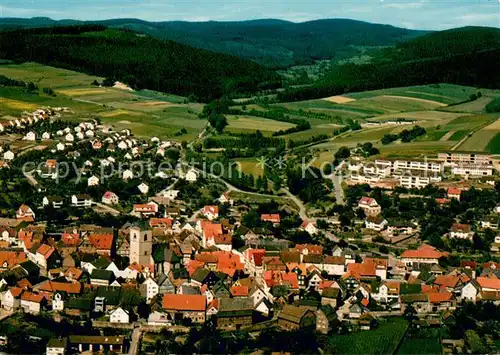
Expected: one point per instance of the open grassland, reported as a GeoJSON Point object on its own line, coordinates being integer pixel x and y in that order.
{"type": "Point", "coordinates": [382, 340]}
{"type": "Point", "coordinates": [393, 104]}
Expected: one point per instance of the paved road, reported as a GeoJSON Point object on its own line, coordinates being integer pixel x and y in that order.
{"type": "Point", "coordinates": [134, 345]}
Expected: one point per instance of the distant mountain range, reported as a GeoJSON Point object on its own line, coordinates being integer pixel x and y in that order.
{"type": "Point", "coordinates": [274, 43]}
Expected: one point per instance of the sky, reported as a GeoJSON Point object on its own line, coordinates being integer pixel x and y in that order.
{"type": "Point", "coordinates": [413, 14]}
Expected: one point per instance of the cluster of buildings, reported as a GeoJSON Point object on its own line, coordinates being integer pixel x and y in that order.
{"type": "Point", "coordinates": [418, 174]}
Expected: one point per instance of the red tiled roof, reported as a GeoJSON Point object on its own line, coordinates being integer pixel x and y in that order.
{"type": "Point", "coordinates": [313, 249]}
{"type": "Point", "coordinates": [109, 194]}
{"type": "Point", "coordinates": [429, 288]}
{"type": "Point", "coordinates": [16, 291]}
{"type": "Point", "coordinates": [160, 222]}
{"type": "Point", "coordinates": [12, 258]}
{"type": "Point", "coordinates": [210, 230]}
{"type": "Point", "coordinates": [360, 270]}
{"type": "Point", "coordinates": [32, 297]}
{"type": "Point", "coordinates": [438, 297]}
{"type": "Point", "coordinates": [469, 264]}
{"type": "Point", "coordinates": [367, 201]}
{"type": "Point", "coordinates": [102, 241]}
{"type": "Point", "coordinates": [274, 218]}
{"type": "Point", "coordinates": [454, 191]}
{"type": "Point", "coordinates": [485, 282]}
{"type": "Point", "coordinates": [365, 302]}
{"type": "Point", "coordinates": [214, 304]}
{"type": "Point", "coordinates": [184, 302]}
{"type": "Point", "coordinates": [463, 228]}
{"type": "Point", "coordinates": [45, 250]}
{"type": "Point", "coordinates": [146, 207]}
{"type": "Point", "coordinates": [223, 239]}
{"type": "Point", "coordinates": [24, 284]}
{"type": "Point", "coordinates": [447, 281]}
{"type": "Point", "coordinates": [75, 272]}
{"type": "Point", "coordinates": [68, 287]}
{"type": "Point", "coordinates": [442, 201]}
{"type": "Point", "coordinates": [70, 239]}
{"type": "Point", "coordinates": [239, 291]}
{"type": "Point", "coordinates": [425, 251]}
{"type": "Point", "coordinates": [211, 209]}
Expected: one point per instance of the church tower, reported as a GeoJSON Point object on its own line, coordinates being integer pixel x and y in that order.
{"type": "Point", "coordinates": [141, 246]}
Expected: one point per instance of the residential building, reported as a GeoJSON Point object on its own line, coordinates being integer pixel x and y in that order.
{"type": "Point", "coordinates": [473, 170]}
{"type": "Point", "coordinates": [297, 317]}
{"type": "Point", "coordinates": [465, 158]}
{"type": "Point", "coordinates": [57, 346]}
{"type": "Point", "coordinates": [110, 198]}
{"type": "Point", "coordinates": [119, 315]}
{"type": "Point", "coordinates": [370, 206]}
{"type": "Point", "coordinates": [377, 223]}
{"type": "Point", "coordinates": [185, 306]}
{"type": "Point", "coordinates": [82, 200]}
{"type": "Point", "coordinates": [461, 231]}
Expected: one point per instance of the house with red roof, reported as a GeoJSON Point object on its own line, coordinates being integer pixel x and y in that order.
{"type": "Point", "coordinates": [209, 232]}
{"type": "Point", "coordinates": [146, 209]}
{"type": "Point", "coordinates": [442, 301]}
{"type": "Point", "coordinates": [370, 206]}
{"type": "Point", "coordinates": [253, 259]}
{"type": "Point", "coordinates": [223, 242]}
{"type": "Point", "coordinates": [12, 298]}
{"type": "Point", "coordinates": [461, 231]}
{"type": "Point", "coordinates": [110, 198]}
{"type": "Point", "coordinates": [46, 257]}
{"type": "Point", "coordinates": [306, 249]}
{"type": "Point", "coordinates": [32, 302]}
{"type": "Point", "coordinates": [161, 222]}
{"type": "Point", "coordinates": [211, 212]}
{"type": "Point", "coordinates": [239, 291]}
{"type": "Point", "coordinates": [488, 284]}
{"type": "Point", "coordinates": [454, 193]}
{"type": "Point", "coordinates": [273, 218]}
{"type": "Point", "coordinates": [103, 243]}
{"type": "Point", "coordinates": [186, 306]}
{"type": "Point", "coordinates": [25, 213]}
{"type": "Point", "coordinates": [425, 254]}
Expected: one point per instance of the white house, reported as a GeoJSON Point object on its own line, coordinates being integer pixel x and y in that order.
{"type": "Point", "coordinates": [93, 181]}
{"type": "Point", "coordinates": [376, 223]}
{"type": "Point", "coordinates": [309, 227]}
{"type": "Point", "coordinates": [12, 298]}
{"type": "Point", "coordinates": [159, 319]}
{"type": "Point", "coordinates": [122, 145]}
{"type": "Point", "coordinates": [8, 155]}
{"type": "Point", "coordinates": [30, 136]}
{"type": "Point", "coordinates": [150, 289]}
{"type": "Point", "coordinates": [469, 291]}
{"type": "Point", "coordinates": [45, 135]}
{"type": "Point", "coordinates": [57, 302]}
{"type": "Point", "coordinates": [110, 198]}
{"type": "Point", "coordinates": [211, 212]}
{"type": "Point", "coordinates": [79, 135]}
{"type": "Point", "coordinates": [127, 174]}
{"type": "Point", "coordinates": [461, 231]}
{"type": "Point", "coordinates": [128, 156]}
{"type": "Point", "coordinates": [119, 315]}
{"type": "Point", "coordinates": [170, 194]}
{"type": "Point", "coordinates": [224, 198]}
{"type": "Point", "coordinates": [81, 200]}
{"type": "Point", "coordinates": [191, 175]}
{"type": "Point", "coordinates": [60, 146]}
{"type": "Point", "coordinates": [89, 133]}
{"type": "Point", "coordinates": [69, 137]}
{"type": "Point", "coordinates": [143, 188]}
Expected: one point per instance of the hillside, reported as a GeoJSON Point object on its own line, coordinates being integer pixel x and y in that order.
{"type": "Point", "coordinates": [275, 43]}
{"type": "Point", "coordinates": [138, 60]}
{"type": "Point", "coordinates": [464, 56]}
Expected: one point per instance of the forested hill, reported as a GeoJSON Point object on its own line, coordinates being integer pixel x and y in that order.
{"type": "Point", "coordinates": [464, 56]}
{"type": "Point", "coordinates": [275, 43]}
{"type": "Point", "coordinates": [138, 60]}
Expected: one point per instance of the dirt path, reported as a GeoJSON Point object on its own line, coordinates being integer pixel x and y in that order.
{"type": "Point", "coordinates": [447, 136]}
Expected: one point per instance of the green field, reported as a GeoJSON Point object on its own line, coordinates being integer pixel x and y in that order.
{"type": "Point", "coordinates": [494, 145]}
{"type": "Point", "coordinates": [251, 124]}
{"type": "Point", "coordinates": [382, 340]}
{"type": "Point", "coordinates": [421, 341]}
{"type": "Point", "coordinates": [480, 139]}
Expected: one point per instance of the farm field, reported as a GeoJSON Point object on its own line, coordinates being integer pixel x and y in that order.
{"type": "Point", "coordinates": [431, 115]}
{"type": "Point", "coordinates": [250, 166]}
{"type": "Point", "coordinates": [473, 106]}
{"type": "Point", "coordinates": [443, 93]}
{"type": "Point", "coordinates": [494, 145]}
{"type": "Point", "coordinates": [251, 124]}
{"type": "Point", "coordinates": [421, 341]}
{"type": "Point", "coordinates": [480, 139]}
{"type": "Point", "coordinates": [414, 149]}
{"type": "Point", "coordinates": [382, 340]}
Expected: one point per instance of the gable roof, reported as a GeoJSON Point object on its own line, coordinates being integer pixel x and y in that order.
{"type": "Point", "coordinates": [102, 241]}
{"type": "Point", "coordinates": [184, 302]}
{"type": "Point", "coordinates": [485, 282]}
{"type": "Point", "coordinates": [425, 251]}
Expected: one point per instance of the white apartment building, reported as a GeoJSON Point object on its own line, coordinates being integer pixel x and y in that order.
{"type": "Point", "coordinates": [473, 170]}
{"type": "Point", "coordinates": [417, 181]}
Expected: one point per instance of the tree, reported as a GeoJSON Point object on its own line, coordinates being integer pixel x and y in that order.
{"type": "Point", "coordinates": [31, 87]}
{"type": "Point", "coordinates": [251, 219]}
{"type": "Point", "coordinates": [342, 153]}
{"type": "Point", "coordinates": [143, 310]}
{"type": "Point", "coordinates": [95, 83]}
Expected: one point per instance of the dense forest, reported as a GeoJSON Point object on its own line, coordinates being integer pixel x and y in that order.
{"type": "Point", "coordinates": [274, 43]}
{"type": "Point", "coordinates": [465, 56]}
{"type": "Point", "coordinates": [138, 60]}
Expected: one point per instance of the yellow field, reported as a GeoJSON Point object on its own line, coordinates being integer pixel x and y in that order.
{"type": "Point", "coordinates": [250, 167]}
{"type": "Point", "coordinates": [17, 105]}
{"type": "Point", "coordinates": [339, 99]}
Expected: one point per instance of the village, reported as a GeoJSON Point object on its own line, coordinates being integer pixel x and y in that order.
{"type": "Point", "coordinates": [173, 249]}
